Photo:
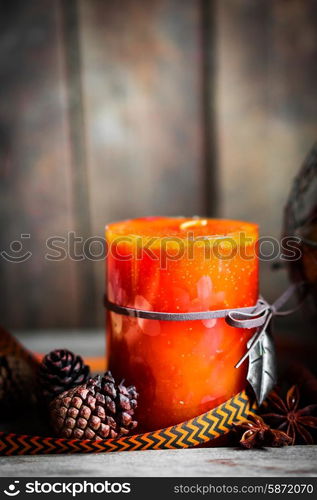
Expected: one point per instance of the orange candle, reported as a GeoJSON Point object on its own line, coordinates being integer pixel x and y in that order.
{"type": "Point", "coordinates": [180, 368]}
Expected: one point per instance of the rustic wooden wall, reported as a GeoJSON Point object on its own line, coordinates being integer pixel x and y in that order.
{"type": "Point", "coordinates": [36, 182]}
{"type": "Point", "coordinates": [111, 110]}
{"type": "Point", "coordinates": [266, 108]}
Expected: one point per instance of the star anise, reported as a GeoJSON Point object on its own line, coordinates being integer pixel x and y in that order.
{"type": "Point", "coordinates": [287, 416]}
{"type": "Point", "coordinates": [257, 434]}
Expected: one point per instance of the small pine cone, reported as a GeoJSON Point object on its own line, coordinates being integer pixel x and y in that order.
{"type": "Point", "coordinates": [18, 388]}
{"type": "Point", "coordinates": [60, 371]}
{"type": "Point", "coordinates": [99, 409]}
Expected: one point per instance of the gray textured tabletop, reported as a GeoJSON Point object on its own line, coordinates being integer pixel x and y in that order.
{"type": "Point", "coordinates": [212, 462]}
{"type": "Point", "coordinates": [208, 462]}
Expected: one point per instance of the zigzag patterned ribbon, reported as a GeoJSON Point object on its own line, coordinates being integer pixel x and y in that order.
{"type": "Point", "coordinates": [208, 426]}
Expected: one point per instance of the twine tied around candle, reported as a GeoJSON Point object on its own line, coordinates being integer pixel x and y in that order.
{"type": "Point", "coordinates": [260, 348]}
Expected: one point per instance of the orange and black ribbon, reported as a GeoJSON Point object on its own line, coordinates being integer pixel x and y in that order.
{"type": "Point", "coordinates": [196, 431]}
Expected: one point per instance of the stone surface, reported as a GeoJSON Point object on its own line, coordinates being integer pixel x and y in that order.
{"type": "Point", "coordinates": [204, 462]}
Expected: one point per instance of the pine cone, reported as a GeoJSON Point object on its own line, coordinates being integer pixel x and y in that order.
{"type": "Point", "coordinates": [99, 409]}
{"type": "Point", "coordinates": [60, 371]}
{"type": "Point", "coordinates": [5, 381]}
{"type": "Point", "coordinates": [18, 384]}
{"type": "Point", "coordinates": [18, 388]}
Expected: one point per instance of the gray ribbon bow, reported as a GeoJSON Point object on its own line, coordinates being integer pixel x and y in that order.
{"type": "Point", "coordinates": [262, 373]}
{"type": "Point", "coordinates": [260, 348]}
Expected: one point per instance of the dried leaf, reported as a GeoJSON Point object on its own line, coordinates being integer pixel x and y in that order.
{"type": "Point", "coordinates": [262, 366]}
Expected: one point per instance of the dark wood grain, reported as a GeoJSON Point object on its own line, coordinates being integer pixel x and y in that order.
{"type": "Point", "coordinates": [35, 189]}
{"type": "Point", "coordinates": [86, 290]}
{"type": "Point", "coordinates": [209, 106]}
{"type": "Point", "coordinates": [266, 115]}
{"type": "Point", "coordinates": [141, 74]}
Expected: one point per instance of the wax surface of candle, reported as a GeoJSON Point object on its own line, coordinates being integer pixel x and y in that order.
{"type": "Point", "coordinates": [180, 369]}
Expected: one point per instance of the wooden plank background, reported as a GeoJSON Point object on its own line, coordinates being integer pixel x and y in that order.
{"type": "Point", "coordinates": [111, 110]}
{"type": "Point", "coordinates": [36, 180]}
{"type": "Point", "coordinates": [266, 109]}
